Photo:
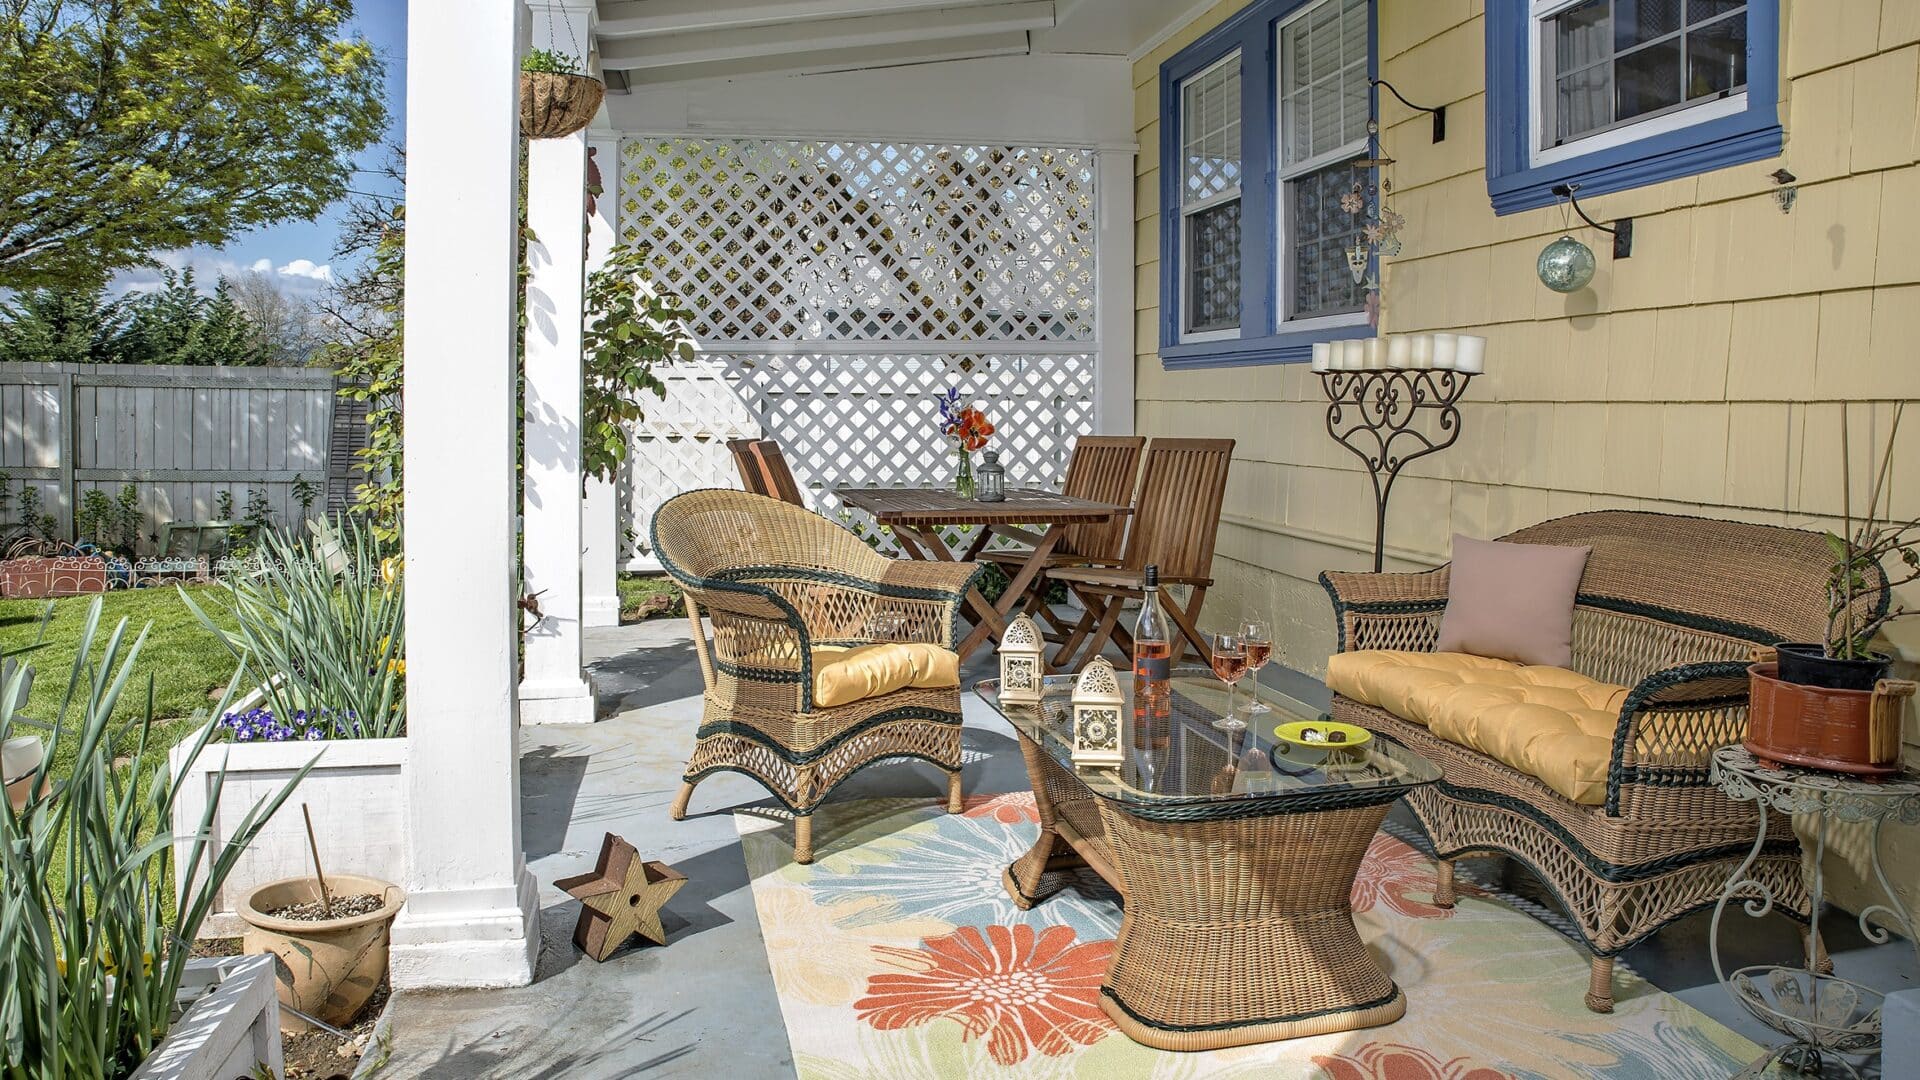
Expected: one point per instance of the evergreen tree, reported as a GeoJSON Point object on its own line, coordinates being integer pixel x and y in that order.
{"type": "Point", "coordinates": [223, 337]}
{"type": "Point", "coordinates": [165, 320]}
{"type": "Point", "coordinates": [62, 326]}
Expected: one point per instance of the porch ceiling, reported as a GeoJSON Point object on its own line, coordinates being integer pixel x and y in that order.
{"type": "Point", "coordinates": [652, 42]}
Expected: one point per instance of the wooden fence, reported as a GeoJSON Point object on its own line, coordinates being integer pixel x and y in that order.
{"type": "Point", "coordinates": [180, 435]}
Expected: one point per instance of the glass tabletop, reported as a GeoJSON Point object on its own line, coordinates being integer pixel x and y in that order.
{"type": "Point", "coordinates": [1185, 759]}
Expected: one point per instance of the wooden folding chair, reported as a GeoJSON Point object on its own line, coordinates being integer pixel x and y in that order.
{"type": "Point", "coordinates": [1103, 468]}
{"type": "Point", "coordinates": [1175, 522]}
{"type": "Point", "coordinates": [751, 478]}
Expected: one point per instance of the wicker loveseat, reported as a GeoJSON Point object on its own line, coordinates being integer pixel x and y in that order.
{"type": "Point", "coordinates": [1670, 608]}
{"type": "Point", "coordinates": [784, 589]}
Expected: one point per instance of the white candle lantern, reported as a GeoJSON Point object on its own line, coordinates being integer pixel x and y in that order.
{"type": "Point", "coordinates": [1097, 709]}
{"type": "Point", "coordinates": [1021, 673]}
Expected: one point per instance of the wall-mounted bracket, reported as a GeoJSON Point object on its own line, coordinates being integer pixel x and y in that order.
{"type": "Point", "coordinates": [1621, 230]}
{"type": "Point", "coordinates": [1439, 111]}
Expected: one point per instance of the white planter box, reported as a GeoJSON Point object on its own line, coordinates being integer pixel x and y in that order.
{"type": "Point", "coordinates": [357, 795]}
{"type": "Point", "coordinates": [231, 1028]}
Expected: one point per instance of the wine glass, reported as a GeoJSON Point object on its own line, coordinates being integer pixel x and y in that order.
{"type": "Point", "coordinates": [1257, 638]}
{"type": "Point", "coordinates": [1229, 664]}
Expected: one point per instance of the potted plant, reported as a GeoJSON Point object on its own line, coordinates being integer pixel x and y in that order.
{"type": "Point", "coordinates": [556, 98]}
{"type": "Point", "coordinates": [1829, 704]}
{"type": "Point", "coordinates": [321, 617]}
{"type": "Point", "coordinates": [328, 936]}
{"type": "Point", "coordinates": [98, 974]}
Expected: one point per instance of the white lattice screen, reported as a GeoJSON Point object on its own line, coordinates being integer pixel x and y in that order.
{"type": "Point", "coordinates": [838, 286]}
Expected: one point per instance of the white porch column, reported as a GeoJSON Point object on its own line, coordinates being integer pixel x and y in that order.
{"type": "Point", "coordinates": [1113, 292]}
{"type": "Point", "coordinates": [553, 688]}
{"type": "Point", "coordinates": [470, 913]}
{"type": "Point", "coordinates": [600, 555]}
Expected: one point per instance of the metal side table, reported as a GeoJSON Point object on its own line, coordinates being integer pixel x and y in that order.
{"type": "Point", "coordinates": [1822, 1015]}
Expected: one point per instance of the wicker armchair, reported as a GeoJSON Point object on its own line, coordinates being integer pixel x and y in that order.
{"type": "Point", "coordinates": [777, 581]}
{"type": "Point", "coordinates": [1670, 607]}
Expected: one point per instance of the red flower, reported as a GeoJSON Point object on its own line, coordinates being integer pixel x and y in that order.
{"type": "Point", "coordinates": [1012, 808]}
{"type": "Point", "coordinates": [969, 428]}
{"type": "Point", "coordinates": [1023, 990]}
{"type": "Point", "coordinates": [1396, 875]}
{"type": "Point", "coordinates": [1389, 1061]}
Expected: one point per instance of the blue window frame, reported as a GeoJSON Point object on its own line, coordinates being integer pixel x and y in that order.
{"type": "Point", "coordinates": [1260, 212]}
{"type": "Point", "coordinates": [1617, 94]}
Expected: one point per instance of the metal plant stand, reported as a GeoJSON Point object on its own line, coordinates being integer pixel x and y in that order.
{"type": "Point", "coordinates": [1374, 414]}
{"type": "Point", "coordinates": [1822, 1015]}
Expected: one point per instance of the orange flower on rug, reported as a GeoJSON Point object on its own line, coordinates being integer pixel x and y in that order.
{"type": "Point", "coordinates": [1387, 1061]}
{"type": "Point", "coordinates": [1012, 808]}
{"type": "Point", "coordinates": [1397, 876]}
{"type": "Point", "coordinates": [1024, 990]}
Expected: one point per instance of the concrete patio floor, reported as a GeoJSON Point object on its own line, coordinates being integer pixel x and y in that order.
{"type": "Point", "coordinates": [704, 1005]}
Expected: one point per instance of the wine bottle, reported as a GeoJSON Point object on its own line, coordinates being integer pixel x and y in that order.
{"type": "Point", "coordinates": [1152, 671]}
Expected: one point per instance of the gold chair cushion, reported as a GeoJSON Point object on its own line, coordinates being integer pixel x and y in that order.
{"type": "Point", "coordinates": [843, 675]}
{"type": "Point", "coordinates": [1553, 724]}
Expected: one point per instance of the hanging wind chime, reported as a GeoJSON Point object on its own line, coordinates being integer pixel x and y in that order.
{"type": "Point", "coordinates": [1377, 226]}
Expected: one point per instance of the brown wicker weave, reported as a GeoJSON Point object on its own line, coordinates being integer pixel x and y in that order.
{"type": "Point", "coordinates": [775, 580]}
{"type": "Point", "coordinates": [553, 105]}
{"type": "Point", "coordinates": [1671, 607]}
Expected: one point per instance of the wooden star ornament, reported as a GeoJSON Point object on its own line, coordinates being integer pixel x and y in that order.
{"type": "Point", "coordinates": [620, 898]}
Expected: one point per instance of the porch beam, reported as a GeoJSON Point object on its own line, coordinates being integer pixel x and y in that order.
{"type": "Point", "coordinates": [865, 32]}
{"type": "Point", "coordinates": [470, 916]}
{"type": "Point", "coordinates": [600, 520]}
{"type": "Point", "coordinates": [827, 60]}
{"type": "Point", "coordinates": [653, 18]}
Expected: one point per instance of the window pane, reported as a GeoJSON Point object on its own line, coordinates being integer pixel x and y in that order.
{"type": "Point", "coordinates": [1636, 22]}
{"type": "Point", "coordinates": [1213, 268]}
{"type": "Point", "coordinates": [1318, 235]}
{"type": "Point", "coordinates": [1584, 101]}
{"type": "Point", "coordinates": [1323, 84]}
{"type": "Point", "coordinates": [1210, 132]}
{"type": "Point", "coordinates": [1582, 35]}
{"type": "Point", "coordinates": [1699, 11]}
{"type": "Point", "coordinates": [1717, 57]}
{"type": "Point", "coordinates": [1647, 79]}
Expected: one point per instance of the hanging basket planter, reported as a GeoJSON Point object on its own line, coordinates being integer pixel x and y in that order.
{"type": "Point", "coordinates": [554, 105]}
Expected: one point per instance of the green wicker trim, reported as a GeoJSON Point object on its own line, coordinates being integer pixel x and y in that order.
{"type": "Point", "coordinates": [796, 809]}
{"type": "Point", "coordinates": [847, 581]}
{"type": "Point", "coordinates": [1236, 809]}
{"type": "Point", "coordinates": [1230, 1025]}
{"type": "Point", "coordinates": [747, 731]}
{"type": "Point", "coordinates": [1706, 623]}
{"type": "Point", "coordinates": [1636, 702]}
{"type": "Point", "coordinates": [1341, 607]}
{"type": "Point", "coordinates": [764, 675]}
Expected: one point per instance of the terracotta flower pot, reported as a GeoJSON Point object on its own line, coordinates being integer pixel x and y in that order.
{"type": "Point", "coordinates": [1850, 731]}
{"type": "Point", "coordinates": [326, 968]}
{"type": "Point", "coordinates": [553, 105]}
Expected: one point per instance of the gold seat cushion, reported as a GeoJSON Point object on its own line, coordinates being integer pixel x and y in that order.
{"type": "Point", "coordinates": [1553, 724]}
{"type": "Point", "coordinates": [843, 675]}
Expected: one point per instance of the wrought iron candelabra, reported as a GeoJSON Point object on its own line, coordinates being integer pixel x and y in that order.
{"type": "Point", "coordinates": [1376, 413]}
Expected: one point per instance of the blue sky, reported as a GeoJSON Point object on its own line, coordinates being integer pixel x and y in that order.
{"type": "Point", "coordinates": [300, 254]}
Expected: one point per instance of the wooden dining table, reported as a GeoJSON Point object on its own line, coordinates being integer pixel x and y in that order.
{"type": "Point", "coordinates": [916, 516]}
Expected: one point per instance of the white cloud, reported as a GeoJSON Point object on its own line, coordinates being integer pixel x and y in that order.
{"type": "Point", "coordinates": [305, 268]}
{"type": "Point", "coordinates": [262, 266]}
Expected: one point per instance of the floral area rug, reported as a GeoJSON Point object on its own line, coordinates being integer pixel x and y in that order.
{"type": "Point", "coordinates": [897, 956]}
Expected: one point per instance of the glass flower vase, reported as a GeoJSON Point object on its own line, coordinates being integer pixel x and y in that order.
{"type": "Point", "coordinates": [963, 473]}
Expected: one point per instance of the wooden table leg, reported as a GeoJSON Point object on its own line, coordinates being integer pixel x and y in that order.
{"type": "Point", "coordinates": [1203, 962]}
{"type": "Point", "coordinates": [1016, 587]}
{"type": "Point", "coordinates": [924, 543]}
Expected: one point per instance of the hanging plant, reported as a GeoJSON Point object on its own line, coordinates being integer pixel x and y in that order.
{"type": "Point", "coordinates": [556, 99]}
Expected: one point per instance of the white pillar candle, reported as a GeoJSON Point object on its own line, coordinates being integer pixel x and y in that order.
{"type": "Point", "coordinates": [1446, 348]}
{"type": "Point", "coordinates": [1342, 356]}
{"type": "Point", "coordinates": [1376, 354]}
{"type": "Point", "coordinates": [1420, 350]}
{"type": "Point", "coordinates": [1399, 351]}
{"type": "Point", "coordinates": [1323, 356]}
{"type": "Point", "coordinates": [1470, 354]}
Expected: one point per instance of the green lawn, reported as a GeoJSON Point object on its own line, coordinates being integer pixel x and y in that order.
{"type": "Point", "coordinates": [184, 660]}
{"type": "Point", "coordinates": [648, 596]}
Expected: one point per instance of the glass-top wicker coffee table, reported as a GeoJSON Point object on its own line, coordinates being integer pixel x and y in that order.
{"type": "Point", "coordinates": [1235, 854]}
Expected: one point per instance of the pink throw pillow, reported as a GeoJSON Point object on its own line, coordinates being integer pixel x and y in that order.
{"type": "Point", "coordinates": [1512, 601]}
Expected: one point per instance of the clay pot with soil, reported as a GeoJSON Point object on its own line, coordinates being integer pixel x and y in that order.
{"type": "Point", "coordinates": [328, 966]}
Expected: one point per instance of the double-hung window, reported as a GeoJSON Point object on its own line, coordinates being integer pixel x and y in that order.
{"type": "Point", "coordinates": [1324, 105]}
{"type": "Point", "coordinates": [1612, 94]}
{"type": "Point", "coordinates": [1263, 118]}
{"type": "Point", "coordinates": [1210, 165]}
